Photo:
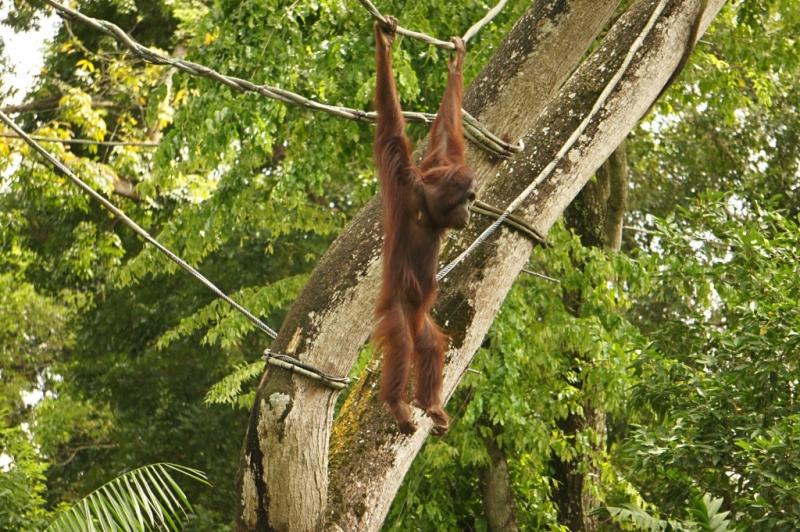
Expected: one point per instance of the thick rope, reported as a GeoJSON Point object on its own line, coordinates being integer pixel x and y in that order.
{"type": "Point", "coordinates": [512, 221]}
{"type": "Point", "coordinates": [473, 129]}
{"type": "Point", "coordinates": [296, 366]}
{"type": "Point", "coordinates": [63, 170]}
{"type": "Point", "coordinates": [427, 39]}
{"type": "Point", "coordinates": [86, 142]}
{"type": "Point", "coordinates": [601, 101]}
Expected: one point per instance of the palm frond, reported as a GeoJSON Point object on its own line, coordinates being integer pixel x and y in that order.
{"type": "Point", "coordinates": [147, 498]}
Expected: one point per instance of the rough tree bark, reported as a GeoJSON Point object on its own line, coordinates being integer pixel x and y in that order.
{"type": "Point", "coordinates": [618, 183]}
{"type": "Point", "coordinates": [285, 481]}
{"type": "Point", "coordinates": [498, 497]}
{"type": "Point", "coordinates": [570, 490]}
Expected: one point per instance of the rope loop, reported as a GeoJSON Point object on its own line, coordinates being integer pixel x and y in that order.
{"type": "Point", "coordinates": [312, 372]}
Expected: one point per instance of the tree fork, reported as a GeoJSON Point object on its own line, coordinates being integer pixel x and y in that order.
{"type": "Point", "coordinates": [283, 476]}
{"type": "Point", "coordinates": [367, 461]}
{"type": "Point", "coordinates": [332, 317]}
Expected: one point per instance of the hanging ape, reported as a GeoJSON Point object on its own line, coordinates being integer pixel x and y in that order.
{"type": "Point", "coordinates": [419, 205]}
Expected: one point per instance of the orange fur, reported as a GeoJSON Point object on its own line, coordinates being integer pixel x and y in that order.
{"type": "Point", "coordinates": [420, 204]}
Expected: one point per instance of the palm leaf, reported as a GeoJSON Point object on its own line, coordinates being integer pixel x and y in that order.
{"type": "Point", "coordinates": [144, 499]}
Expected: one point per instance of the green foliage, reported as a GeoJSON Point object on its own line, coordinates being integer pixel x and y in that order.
{"type": "Point", "coordinates": [641, 520]}
{"type": "Point", "coordinates": [249, 190]}
{"type": "Point", "coordinates": [732, 123]}
{"type": "Point", "coordinates": [230, 325]}
{"type": "Point", "coordinates": [717, 378]}
{"type": "Point", "coordinates": [539, 364]}
{"type": "Point", "coordinates": [704, 512]}
{"type": "Point", "coordinates": [22, 481]}
{"type": "Point", "coordinates": [147, 498]}
{"type": "Point", "coordinates": [32, 332]}
{"type": "Point", "coordinates": [229, 389]}
{"type": "Point", "coordinates": [125, 350]}
{"type": "Point", "coordinates": [62, 419]}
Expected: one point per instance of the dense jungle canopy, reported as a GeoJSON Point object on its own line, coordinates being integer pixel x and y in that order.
{"type": "Point", "coordinates": [647, 382]}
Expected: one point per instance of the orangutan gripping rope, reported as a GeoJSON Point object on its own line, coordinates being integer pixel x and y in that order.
{"type": "Point", "coordinates": [419, 205]}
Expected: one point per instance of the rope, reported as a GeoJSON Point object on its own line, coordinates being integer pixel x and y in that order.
{"type": "Point", "coordinates": [86, 141]}
{"type": "Point", "coordinates": [484, 21]}
{"type": "Point", "coordinates": [512, 221]}
{"type": "Point", "coordinates": [473, 130]}
{"type": "Point", "coordinates": [541, 276]}
{"type": "Point", "coordinates": [601, 100]}
{"type": "Point", "coordinates": [427, 39]}
{"type": "Point", "coordinates": [63, 170]}
{"type": "Point", "coordinates": [296, 366]}
{"type": "Point", "coordinates": [477, 132]}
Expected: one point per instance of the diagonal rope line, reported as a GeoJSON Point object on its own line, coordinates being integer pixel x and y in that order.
{"type": "Point", "coordinates": [63, 170]}
{"type": "Point", "coordinates": [484, 21]}
{"type": "Point", "coordinates": [427, 39]}
{"type": "Point", "coordinates": [601, 101]}
{"type": "Point", "coordinates": [473, 129]}
{"type": "Point", "coordinates": [86, 142]}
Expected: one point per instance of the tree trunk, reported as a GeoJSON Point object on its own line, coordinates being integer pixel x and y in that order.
{"type": "Point", "coordinates": [586, 217]}
{"type": "Point", "coordinates": [570, 492]}
{"type": "Point", "coordinates": [498, 497]}
{"type": "Point", "coordinates": [283, 481]}
{"type": "Point", "coordinates": [596, 216]}
{"type": "Point", "coordinates": [618, 184]}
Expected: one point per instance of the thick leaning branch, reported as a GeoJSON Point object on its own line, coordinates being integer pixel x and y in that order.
{"type": "Point", "coordinates": [51, 104]}
{"type": "Point", "coordinates": [588, 119]}
{"type": "Point", "coordinates": [332, 317]}
{"type": "Point", "coordinates": [368, 461]}
{"type": "Point", "coordinates": [473, 129]}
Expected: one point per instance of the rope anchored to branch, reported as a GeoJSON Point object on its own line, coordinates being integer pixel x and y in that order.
{"type": "Point", "coordinates": [512, 221]}
{"type": "Point", "coordinates": [296, 366]}
{"type": "Point", "coordinates": [473, 129]}
{"type": "Point", "coordinates": [63, 170]}
{"type": "Point", "coordinates": [601, 101]}
{"type": "Point", "coordinates": [282, 361]}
